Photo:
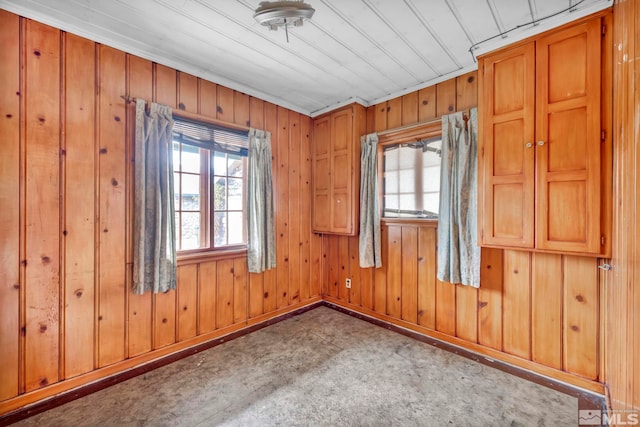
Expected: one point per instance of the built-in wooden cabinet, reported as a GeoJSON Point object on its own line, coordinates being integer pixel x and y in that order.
{"type": "Point", "coordinates": [336, 170]}
{"type": "Point", "coordinates": [543, 142]}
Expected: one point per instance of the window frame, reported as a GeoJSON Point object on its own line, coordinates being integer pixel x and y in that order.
{"type": "Point", "coordinates": [209, 253]}
{"type": "Point", "coordinates": [403, 135]}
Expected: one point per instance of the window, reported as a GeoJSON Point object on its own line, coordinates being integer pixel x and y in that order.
{"type": "Point", "coordinates": [210, 164]}
{"type": "Point", "coordinates": [411, 179]}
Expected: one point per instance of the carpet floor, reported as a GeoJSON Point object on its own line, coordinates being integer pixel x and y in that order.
{"type": "Point", "coordinates": [321, 368]}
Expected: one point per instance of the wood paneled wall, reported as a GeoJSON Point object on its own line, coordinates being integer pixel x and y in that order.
{"type": "Point", "coordinates": [622, 374]}
{"type": "Point", "coordinates": [66, 167]}
{"type": "Point", "coordinates": [538, 311]}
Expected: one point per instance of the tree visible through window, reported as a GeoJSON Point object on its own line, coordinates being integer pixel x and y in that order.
{"type": "Point", "coordinates": [209, 165]}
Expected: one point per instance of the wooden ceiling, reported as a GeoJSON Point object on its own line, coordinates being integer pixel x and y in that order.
{"type": "Point", "coordinates": [352, 50]}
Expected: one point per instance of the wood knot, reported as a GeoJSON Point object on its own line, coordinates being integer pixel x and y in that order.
{"type": "Point", "coordinates": [16, 286]}
{"type": "Point", "coordinates": [420, 313]}
{"type": "Point", "coordinates": [231, 270]}
{"type": "Point", "coordinates": [398, 299]}
{"type": "Point", "coordinates": [489, 267]}
{"type": "Point", "coordinates": [579, 298]}
{"type": "Point", "coordinates": [103, 151]}
{"type": "Point", "coordinates": [470, 79]}
{"type": "Point", "coordinates": [482, 304]}
{"type": "Point", "coordinates": [63, 151]}
{"type": "Point", "coordinates": [450, 108]}
{"type": "Point", "coordinates": [65, 232]}
{"type": "Point", "coordinates": [164, 320]}
{"type": "Point", "coordinates": [116, 118]}
{"type": "Point", "coordinates": [182, 106]}
{"type": "Point", "coordinates": [266, 294]}
{"type": "Point", "coordinates": [219, 109]}
{"type": "Point", "coordinates": [228, 302]}
{"type": "Point", "coordinates": [574, 328]}
{"type": "Point", "coordinates": [78, 293]}
{"type": "Point", "coordinates": [42, 119]}
{"type": "Point", "coordinates": [8, 116]}
{"type": "Point", "coordinates": [100, 317]}
{"type": "Point", "coordinates": [23, 330]}
{"type": "Point", "coordinates": [44, 382]}
{"type": "Point", "coordinates": [135, 313]}
{"type": "Point", "coordinates": [46, 259]}
{"type": "Point", "coordinates": [284, 294]}
{"type": "Point", "coordinates": [184, 308]}
{"type": "Point", "coordinates": [515, 271]}
{"type": "Point", "coordinates": [43, 328]}
{"type": "Point", "coordinates": [106, 230]}
{"type": "Point", "coordinates": [248, 123]}
{"type": "Point", "coordinates": [37, 53]}
{"type": "Point", "coordinates": [388, 109]}
{"type": "Point", "coordinates": [23, 263]}
{"type": "Point", "coordinates": [420, 259]}
{"type": "Point", "coordinates": [286, 259]}
{"type": "Point", "coordinates": [114, 182]}
{"type": "Point", "coordinates": [425, 102]}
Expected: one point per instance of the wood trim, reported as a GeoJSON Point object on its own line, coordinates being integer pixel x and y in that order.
{"type": "Point", "coordinates": [408, 133]}
{"type": "Point", "coordinates": [426, 223]}
{"type": "Point", "coordinates": [196, 257]}
{"type": "Point", "coordinates": [41, 400]}
{"type": "Point", "coordinates": [483, 354]}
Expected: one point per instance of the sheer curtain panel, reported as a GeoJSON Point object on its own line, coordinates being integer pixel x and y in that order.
{"type": "Point", "coordinates": [370, 251]}
{"type": "Point", "coordinates": [458, 250]}
{"type": "Point", "coordinates": [261, 251]}
{"type": "Point", "coordinates": [154, 240]}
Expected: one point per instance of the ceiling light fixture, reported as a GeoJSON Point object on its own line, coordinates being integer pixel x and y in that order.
{"type": "Point", "coordinates": [274, 14]}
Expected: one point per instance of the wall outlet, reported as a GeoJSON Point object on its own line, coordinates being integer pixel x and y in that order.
{"type": "Point", "coordinates": [348, 283]}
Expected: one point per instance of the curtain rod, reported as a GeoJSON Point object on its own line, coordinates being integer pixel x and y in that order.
{"type": "Point", "coordinates": [193, 116]}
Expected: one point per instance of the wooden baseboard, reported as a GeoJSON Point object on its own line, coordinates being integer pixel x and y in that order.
{"type": "Point", "coordinates": [532, 371]}
{"type": "Point", "coordinates": [29, 404]}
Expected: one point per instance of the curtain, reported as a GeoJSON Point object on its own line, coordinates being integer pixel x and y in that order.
{"type": "Point", "coordinates": [370, 253]}
{"type": "Point", "coordinates": [458, 250]}
{"type": "Point", "coordinates": [154, 258]}
{"type": "Point", "coordinates": [261, 244]}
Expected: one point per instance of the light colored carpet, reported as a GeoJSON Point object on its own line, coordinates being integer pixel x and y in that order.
{"type": "Point", "coordinates": [321, 368]}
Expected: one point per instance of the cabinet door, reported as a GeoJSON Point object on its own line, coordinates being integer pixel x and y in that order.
{"type": "Point", "coordinates": [342, 171]}
{"type": "Point", "coordinates": [321, 169]}
{"type": "Point", "coordinates": [568, 139]}
{"type": "Point", "coordinates": [507, 151]}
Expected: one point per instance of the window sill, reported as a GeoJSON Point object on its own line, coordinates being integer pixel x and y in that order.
{"type": "Point", "coordinates": [417, 222]}
{"type": "Point", "coordinates": [198, 256]}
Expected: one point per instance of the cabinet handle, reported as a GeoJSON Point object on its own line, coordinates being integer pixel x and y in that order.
{"type": "Point", "coordinates": [528, 145]}
{"type": "Point", "coordinates": [541, 143]}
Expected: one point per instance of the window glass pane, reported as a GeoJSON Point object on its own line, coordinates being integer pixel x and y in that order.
{"type": "Point", "coordinates": [235, 194]}
{"type": "Point", "coordinates": [236, 228]}
{"type": "Point", "coordinates": [190, 192]}
{"type": "Point", "coordinates": [220, 193]}
{"type": "Point", "coordinates": [190, 159]}
{"type": "Point", "coordinates": [176, 156]}
{"type": "Point", "coordinates": [407, 181]}
{"type": "Point", "coordinates": [219, 163]}
{"type": "Point", "coordinates": [431, 179]}
{"type": "Point", "coordinates": [176, 191]}
{"type": "Point", "coordinates": [178, 232]}
{"type": "Point", "coordinates": [190, 230]}
{"type": "Point", "coordinates": [391, 182]}
{"type": "Point", "coordinates": [430, 203]}
{"type": "Point", "coordinates": [220, 228]}
{"type": "Point", "coordinates": [234, 165]}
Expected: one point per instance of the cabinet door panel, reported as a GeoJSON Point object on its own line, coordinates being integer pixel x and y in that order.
{"type": "Point", "coordinates": [568, 128]}
{"type": "Point", "coordinates": [341, 209]}
{"type": "Point", "coordinates": [506, 162]}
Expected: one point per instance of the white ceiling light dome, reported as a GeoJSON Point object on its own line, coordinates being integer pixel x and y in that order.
{"type": "Point", "coordinates": [275, 14]}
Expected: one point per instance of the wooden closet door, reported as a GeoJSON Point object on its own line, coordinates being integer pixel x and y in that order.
{"type": "Point", "coordinates": [507, 151]}
{"type": "Point", "coordinates": [342, 171]}
{"type": "Point", "coordinates": [322, 174]}
{"type": "Point", "coordinates": [568, 139]}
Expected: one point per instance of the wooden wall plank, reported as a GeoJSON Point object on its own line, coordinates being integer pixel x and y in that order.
{"type": "Point", "coordinates": [581, 316]}
{"type": "Point", "coordinates": [10, 200]}
{"type": "Point", "coordinates": [42, 239]}
{"type": "Point", "coordinates": [355, 295]}
{"type": "Point", "coordinates": [225, 107]}
{"type": "Point", "coordinates": [293, 196]}
{"type": "Point", "coordinates": [270, 276]}
{"type": "Point", "coordinates": [208, 96]}
{"type": "Point", "coordinates": [366, 287]}
{"type": "Point", "coordinates": [380, 117]}
{"type": "Point", "coordinates": [394, 113]}
{"type": "Point", "coordinates": [380, 274]}
{"type": "Point", "coordinates": [343, 267]}
{"type": "Point", "coordinates": [371, 119]}
{"type": "Point", "coordinates": [394, 272]}
{"type": "Point", "coordinates": [332, 259]}
{"type": "Point", "coordinates": [427, 277]}
{"type": "Point", "coordinates": [467, 313]}
{"type": "Point", "coordinates": [241, 109]}
{"type": "Point", "coordinates": [256, 113]}
{"type": "Point", "coordinates": [240, 278]}
{"type": "Point", "coordinates": [410, 108]}
{"type": "Point", "coordinates": [316, 265]}
{"type": "Point", "coordinates": [427, 104]}
{"type": "Point", "coordinates": [139, 321]}
{"type": "Point", "coordinates": [409, 303]}
{"type": "Point", "coordinates": [546, 310]}
{"type": "Point", "coordinates": [224, 311]}
{"type": "Point", "coordinates": [467, 91]}
{"type": "Point", "coordinates": [305, 207]}
{"type": "Point", "coordinates": [187, 304]}
{"type": "Point", "coordinates": [79, 197]}
{"type": "Point", "coordinates": [446, 97]}
{"type": "Point", "coordinates": [282, 207]}
{"type": "Point", "coordinates": [445, 307]}
{"type": "Point", "coordinates": [516, 316]}
{"type": "Point", "coordinates": [164, 320]}
{"type": "Point", "coordinates": [187, 93]}
{"type": "Point", "coordinates": [207, 296]}
{"type": "Point", "coordinates": [256, 294]}
{"type": "Point", "coordinates": [490, 299]}
{"type": "Point", "coordinates": [111, 184]}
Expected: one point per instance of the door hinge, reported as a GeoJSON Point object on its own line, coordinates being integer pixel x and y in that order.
{"type": "Point", "coordinates": [603, 135]}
